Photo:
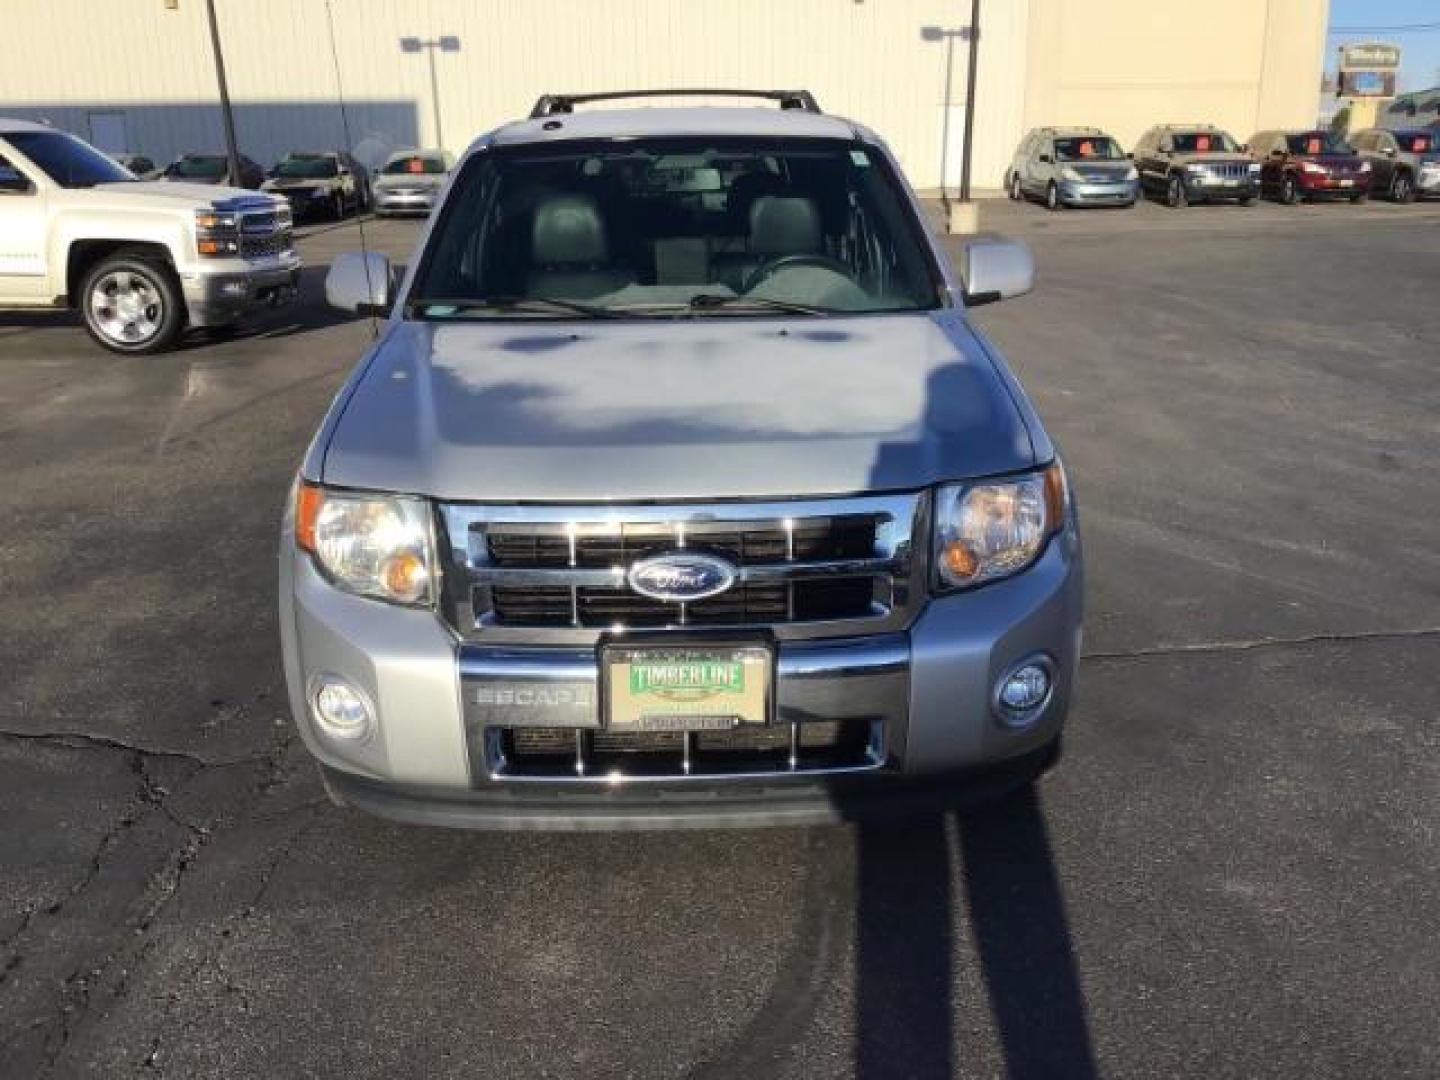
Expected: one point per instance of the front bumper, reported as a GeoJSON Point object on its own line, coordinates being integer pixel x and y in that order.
{"type": "Point", "coordinates": [1200, 187]}
{"type": "Point", "coordinates": [1427, 182]}
{"type": "Point", "coordinates": [1331, 187]}
{"type": "Point", "coordinates": [224, 293]}
{"type": "Point", "coordinates": [928, 688]}
{"type": "Point", "coordinates": [404, 202]}
{"type": "Point", "coordinates": [1124, 193]}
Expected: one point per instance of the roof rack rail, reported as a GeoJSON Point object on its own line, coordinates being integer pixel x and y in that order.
{"type": "Point", "coordinates": [554, 104]}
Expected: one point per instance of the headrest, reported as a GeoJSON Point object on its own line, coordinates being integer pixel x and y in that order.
{"type": "Point", "coordinates": [568, 230]}
{"type": "Point", "coordinates": [784, 225]}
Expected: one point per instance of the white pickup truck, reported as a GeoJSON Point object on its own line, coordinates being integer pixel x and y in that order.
{"type": "Point", "coordinates": [140, 261]}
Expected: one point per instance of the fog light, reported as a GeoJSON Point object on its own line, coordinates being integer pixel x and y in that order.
{"type": "Point", "coordinates": [1022, 692]}
{"type": "Point", "coordinates": [341, 711]}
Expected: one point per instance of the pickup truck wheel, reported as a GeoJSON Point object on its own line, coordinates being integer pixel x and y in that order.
{"type": "Point", "coordinates": [1401, 189]}
{"type": "Point", "coordinates": [132, 304]}
{"type": "Point", "coordinates": [1175, 192]}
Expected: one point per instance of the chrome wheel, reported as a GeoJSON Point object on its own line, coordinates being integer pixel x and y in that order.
{"type": "Point", "coordinates": [126, 307]}
{"type": "Point", "coordinates": [1052, 196]}
{"type": "Point", "coordinates": [1400, 187]}
{"type": "Point", "coordinates": [1016, 192]}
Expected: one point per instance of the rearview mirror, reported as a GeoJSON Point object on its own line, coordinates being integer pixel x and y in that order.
{"type": "Point", "coordinates": [361, 282]}
{"type": "Point", "coordinates": [996, 270]}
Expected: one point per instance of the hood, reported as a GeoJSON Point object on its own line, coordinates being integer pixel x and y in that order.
{"type": "Point", "coordinates": [292, 183]}
{"type": "Point", "coordinates": [712, 408]}
{"type": "Point", "coordinates": [409, 180]}
{"type": "Point", "coordinates": [180, 191]}
{"type": "Point", "coordinates": [1099, 170]}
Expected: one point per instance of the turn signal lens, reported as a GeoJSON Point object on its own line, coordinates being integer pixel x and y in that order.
{"type": "Point", "coordinates": [308, 498]}
{"type": "Point", "coordinates": [987, 531]}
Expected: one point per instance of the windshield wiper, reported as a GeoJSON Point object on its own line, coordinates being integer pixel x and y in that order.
{"type": "Point", "coordinates": [711, 301]}
{"type": "Point", "coordinates": [522, 304]}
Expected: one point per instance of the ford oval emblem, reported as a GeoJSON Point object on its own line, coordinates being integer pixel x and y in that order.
{"type": "Point", "coordinates": [681, 576]}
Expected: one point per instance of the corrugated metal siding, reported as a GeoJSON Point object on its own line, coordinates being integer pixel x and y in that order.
{"type": "Point", "coordinates": [865, 60]}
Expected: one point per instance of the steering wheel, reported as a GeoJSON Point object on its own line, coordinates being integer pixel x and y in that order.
{"type": "Point", "coordinates": [800, 258]}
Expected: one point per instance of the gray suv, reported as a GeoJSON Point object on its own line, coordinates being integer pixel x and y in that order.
{"type": "Point", "coordinates": [1075, 166]}
{"type": "Point", "coordinates": [678, 488]}
{"type": "Point", "coordinates": [1195, 163]}
{"type": "Point", "coordinates": [1406, 163]}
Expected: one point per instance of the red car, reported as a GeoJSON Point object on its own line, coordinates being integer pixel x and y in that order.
{"type": "Point", "coordinates": [1309, 165]}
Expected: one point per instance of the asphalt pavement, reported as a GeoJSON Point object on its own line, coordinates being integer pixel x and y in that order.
{"type": "Point", "coordinates": [1233, 873]}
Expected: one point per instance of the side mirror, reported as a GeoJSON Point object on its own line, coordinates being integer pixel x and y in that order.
{"type": "Point", "coordinates": [1277, 153]}
{"type": "Point", "coordinates": [1045, 158]}
{"type": "Point", "coordinates": [996, 270]}
{"type": "Point", "coordinates": [361, 282]}
{"type": "Point", "coordinates": [13, 181]}
{"type": "Point", "coordinates": [1129, 155]}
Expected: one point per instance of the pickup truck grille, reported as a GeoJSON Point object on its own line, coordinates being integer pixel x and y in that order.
{"type": "Point", "coordinates": [258, 247]}
{"type": "Point", "coordinates": [822, 561]}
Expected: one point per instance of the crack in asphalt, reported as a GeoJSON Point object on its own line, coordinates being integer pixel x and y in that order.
{"type": "Point", "coordinates": [84, 740]}
{"type": "Point", "coordinates": [1250, 644]}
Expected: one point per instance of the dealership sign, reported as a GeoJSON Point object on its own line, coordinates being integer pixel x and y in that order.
{"type": "Point", "coordinates": [1369, 56]}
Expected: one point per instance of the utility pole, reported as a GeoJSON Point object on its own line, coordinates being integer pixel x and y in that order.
{"type": "Point", "coordinates": [445, 43]}
{"type": "Point", "coordinates": [229, 118]}
{"type": "Point", "coordinates": [974, 33]}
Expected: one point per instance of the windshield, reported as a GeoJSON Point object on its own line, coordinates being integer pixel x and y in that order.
{"type": "Point", "coordinates": [414, 163]}
{"type": "Point", "coordinates": [66, 160]}
{"type": "Point", "coordinates": [307, 168]}
{"type": "Point", "coordinates": [1317, 142]}
{"type": "Point", "coordinates": [205, 167]}
{"type": "Point", "coordinates": [705, 227]}
{"type": "Point", "coordinates": [1087, 148]}
{"type": "Point", "coordinates": [1204, 142]}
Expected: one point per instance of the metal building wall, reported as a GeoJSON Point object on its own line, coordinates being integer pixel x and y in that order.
{"type": "Point", "coordinates": [1105, 62]}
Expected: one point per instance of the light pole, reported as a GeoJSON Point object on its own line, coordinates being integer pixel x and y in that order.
{"type": "Point", "coordinates": [445, 43]}
{"type": "Point", "coordinates": [229, 118]}
{"type": "Point", "coordinates": [971, 34]}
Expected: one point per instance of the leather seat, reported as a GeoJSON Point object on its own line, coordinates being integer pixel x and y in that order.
{"type": "Point", "coordinates": [569, 252]}
{"type": "Point", "coordinates": [779, 225]}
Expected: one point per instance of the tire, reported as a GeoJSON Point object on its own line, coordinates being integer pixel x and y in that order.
{"type": "Point", "coordinates": [1289, 191]}
{"type": "Point", "coordinates": [1249, 200]}
{"type": "Point", "coordinates": [337, 206]}
{"type": "Point", "coordinates": [1402, 188]}
{"type": "Point", "coordinates": [131, 303]}
{"type": "Point", "coordinates": [1361, 197]}
{"type": "Point", "coordinates": [1175, 192]}
{"type": "Point", "coordinates": [1052, 197]}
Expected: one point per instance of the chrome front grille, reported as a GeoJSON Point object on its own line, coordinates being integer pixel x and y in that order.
{"type": "Point", "coordinates": [1227, 170]}
{"type": "Point", "coordinates": [266, 232]}
{"type": "Point", "coordinates": [577, 755]}
{"type": "Point", "coordinates": [818, 566]}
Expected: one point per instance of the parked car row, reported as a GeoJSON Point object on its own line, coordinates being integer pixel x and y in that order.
{"type": "Point", "coordinates": [328, 183]}
{"type": "Point", "coordinates": [1189, 163]}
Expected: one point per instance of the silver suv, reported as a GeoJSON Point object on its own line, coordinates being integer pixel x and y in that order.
{"type": "Point", "coordinates": [1406, 163]}
{"type": "Point", "coordinates": [1074, 166]}
{"type": "Point", "coordinates": [678, 488]}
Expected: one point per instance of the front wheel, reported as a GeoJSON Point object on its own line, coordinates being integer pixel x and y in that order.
{"type": "Point", "coordinates": [1052, 196]}
{"type": "Point", "coordinates": [337, 206]}
{"type": "Point", "coordinates": [1175, 192]}
{"type": "Point", "coordinates": [132, 304]}
{"type": "Point", "coordinates": [1248, 200]}
{"type": "Point", "coordinates": [1289, 191]}
{"type": "Point", "coordinates": [1360, 197]}
{"type": "Point", "coordinates": [1401, 188]}
{"type": "Point", "coordinates": [1016, 191]}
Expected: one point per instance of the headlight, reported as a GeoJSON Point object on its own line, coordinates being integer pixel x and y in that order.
{"type": "Point", "coordinates": [368, 544]}
{"type": "Point", "coordinates": [1254, 168]}
{"type": "Point", "coordinates": [994, 528]}
{"type": "Point", "coordinates": [1071, 174]}
{"type": "Point", "coordinates": [1365, 166]}
{"type": "Point", "coordinates": [1311, 167]}
{"type": "Point", "coordinates": [216, 234]}
{"type": "Point", "coordinates": [1195, 167]}
{"type": "Point", "coordinates": [1132, 173]}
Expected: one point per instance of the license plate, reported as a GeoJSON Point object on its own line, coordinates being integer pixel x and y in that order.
{"type": "Point", "coordinates": [685, 688]}
{"type": "Point", "coordinates": [1347, 183]}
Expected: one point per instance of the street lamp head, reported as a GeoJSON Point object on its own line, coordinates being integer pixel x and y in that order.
{"type": "Point", "coordinates": [410, 44]}
{"type": "Point", "coordinates": [932, 33]}
{"type": "Point", "coordinates": [449, 44]}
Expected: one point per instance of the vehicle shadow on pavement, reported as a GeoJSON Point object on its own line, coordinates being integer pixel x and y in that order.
{"type": "Point", "coordinates": [913, 901]}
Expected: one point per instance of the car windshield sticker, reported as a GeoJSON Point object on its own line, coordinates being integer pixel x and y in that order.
{"type": "Point", "coordinates": [1202, 143]}
{"type": "Point", "coordinates": [1418, 144]}
{"type": "Point", "coordinates": [1312, 145]}
{"type": "Point", "coordinates": [1087, 148]}
{"type": "Point", "coordinates": [415, 165]}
